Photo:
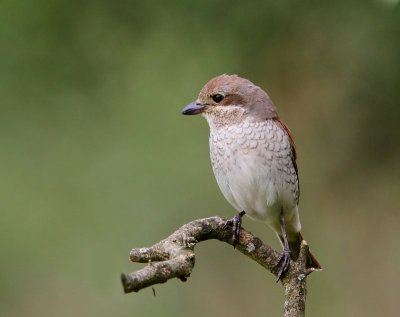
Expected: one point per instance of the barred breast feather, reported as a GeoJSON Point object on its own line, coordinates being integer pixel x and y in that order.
{"type": "Point", "coordinates": [254, 165]}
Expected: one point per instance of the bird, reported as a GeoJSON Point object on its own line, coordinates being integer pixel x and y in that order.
{"type": "Point", "coordinates": [253, 157]}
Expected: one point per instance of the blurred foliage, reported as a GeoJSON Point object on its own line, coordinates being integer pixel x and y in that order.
{"type": "Point", "coordinates": [96, 158]}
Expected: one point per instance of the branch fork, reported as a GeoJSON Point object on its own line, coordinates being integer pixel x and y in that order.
{"type": "Point", "coordinates": [174, 257]}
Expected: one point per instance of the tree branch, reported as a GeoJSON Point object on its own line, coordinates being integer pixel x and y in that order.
{"type": "Point", "coordinates": [175, 257]}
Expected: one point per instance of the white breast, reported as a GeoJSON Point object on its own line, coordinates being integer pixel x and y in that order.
{"type": "Point", "coordinates": [254, 170]}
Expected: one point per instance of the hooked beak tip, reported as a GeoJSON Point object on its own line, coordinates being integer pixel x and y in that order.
{"type": "Point", "coordinates": [193, 108]}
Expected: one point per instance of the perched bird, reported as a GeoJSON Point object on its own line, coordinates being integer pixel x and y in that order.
{"type": "Point", "coordinates": [253, 157]}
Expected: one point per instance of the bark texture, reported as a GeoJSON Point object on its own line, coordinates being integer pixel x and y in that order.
{"type": "Point", "coordinates": [174, 257]}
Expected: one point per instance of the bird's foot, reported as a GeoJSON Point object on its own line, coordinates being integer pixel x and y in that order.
{"type": "Point", "coordinates": [283, 264]}
{"type": "Point", "coordinates": [236, 223]}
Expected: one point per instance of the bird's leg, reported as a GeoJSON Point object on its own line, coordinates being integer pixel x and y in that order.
{"type": "Point", "coordinates": [236, 222]}
{"type": "Point", "coordinates": [284, 261]}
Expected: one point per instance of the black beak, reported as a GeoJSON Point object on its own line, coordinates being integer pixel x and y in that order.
{"type": "Point", "coordinates": [193, 108]}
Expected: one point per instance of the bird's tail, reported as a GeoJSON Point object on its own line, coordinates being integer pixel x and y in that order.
{"type": "Point", "coordinates": [294, 246]}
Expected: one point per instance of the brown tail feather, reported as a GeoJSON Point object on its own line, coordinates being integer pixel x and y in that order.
{"type": "Point", "coordinates": [295, 250]}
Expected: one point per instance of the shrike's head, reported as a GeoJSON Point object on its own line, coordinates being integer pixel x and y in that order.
{"type": "Point", "coordinates": [230, 99]}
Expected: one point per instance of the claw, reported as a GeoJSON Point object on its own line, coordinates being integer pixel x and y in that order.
{"type": "Point", "coordinates": [283, 264]}
{"type": "Point", "coordinates": [284, 261]}
{"type": "Point", "coordinates": [235, 222]}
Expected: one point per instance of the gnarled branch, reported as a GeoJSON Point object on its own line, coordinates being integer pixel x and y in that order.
{"type": "Point", "coordinates": [175, 257]}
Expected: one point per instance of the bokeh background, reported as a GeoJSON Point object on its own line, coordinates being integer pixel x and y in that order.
{"type": "Point", "coordinates": [96, 158]}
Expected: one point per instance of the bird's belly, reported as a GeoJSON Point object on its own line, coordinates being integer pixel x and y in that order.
{"type": "Point", "coordinates": [249, 185]}
{"type": "Point", "coordinates": [254, 170]}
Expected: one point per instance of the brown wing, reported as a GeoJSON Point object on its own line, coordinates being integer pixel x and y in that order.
{"type": "Point", "coordinates": [293, 150]}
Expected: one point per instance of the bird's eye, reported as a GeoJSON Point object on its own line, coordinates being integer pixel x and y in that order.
{"type": "Point", "coordinates": [217, 98]}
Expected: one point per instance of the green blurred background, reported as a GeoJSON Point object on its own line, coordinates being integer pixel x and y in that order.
{"type": "Point", "coordinates": [96, 158]}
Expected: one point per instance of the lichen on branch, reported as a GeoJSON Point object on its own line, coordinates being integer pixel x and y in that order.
{"type": "Point", "coordinates": [174, 257]}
